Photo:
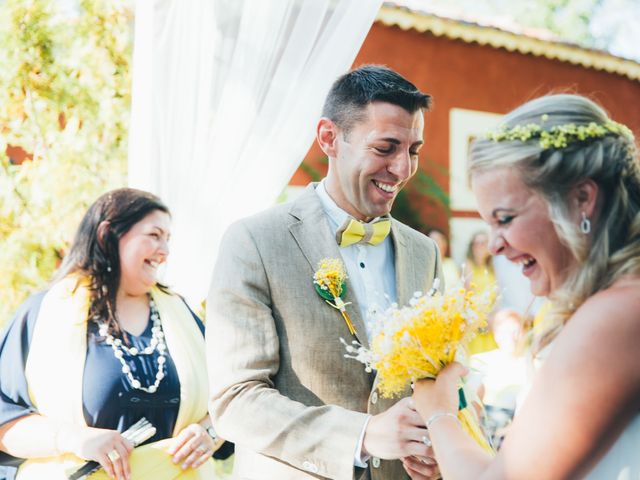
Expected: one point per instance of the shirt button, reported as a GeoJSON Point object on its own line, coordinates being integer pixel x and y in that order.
{"type": "Point", "coordinates": [375, 461]}
{"type": "Point", "coordinates": [310, 467]}
{"type": "Point", "coordinates": [361, 264]}
{"type": "Point", "coordinates": [374, 397]}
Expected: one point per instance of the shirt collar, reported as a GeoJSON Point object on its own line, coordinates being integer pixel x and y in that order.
{"type": "Point", "coordinates": [337, 216]}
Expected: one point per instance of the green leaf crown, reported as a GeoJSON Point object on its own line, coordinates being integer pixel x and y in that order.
{"type": "Point", "coordinates": [560, 136]}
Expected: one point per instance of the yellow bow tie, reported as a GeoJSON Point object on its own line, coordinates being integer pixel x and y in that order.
{"type": "Point", "coordinates": [352, 231]}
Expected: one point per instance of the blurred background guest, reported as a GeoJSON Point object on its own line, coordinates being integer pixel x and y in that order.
{"type": "Point", "coordinates": [478, 271]}
{"type": "Point", "coordinates": [449, 267]}
{"type": "Point", "coordinates": [503, 372]}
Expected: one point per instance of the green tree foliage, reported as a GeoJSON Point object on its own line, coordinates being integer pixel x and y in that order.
{"type": "Point", "coordinates": [65, 95]}
{"type": "Point", "coordinates": [421, 189]}
{"type": "Point", "coordinates": [569, 19]}
{"type": "Point", "coordinates": [603, 24]}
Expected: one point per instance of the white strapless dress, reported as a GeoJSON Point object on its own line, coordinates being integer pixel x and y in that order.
{"type": "Point", "coordinates": [622, 461]}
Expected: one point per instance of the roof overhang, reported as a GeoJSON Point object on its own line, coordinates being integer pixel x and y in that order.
{"type": "Point", "coordinates": [455, 29]}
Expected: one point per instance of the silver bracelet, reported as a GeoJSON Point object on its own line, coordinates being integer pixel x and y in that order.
{"type": "Point", "coordinates": [438, 415]}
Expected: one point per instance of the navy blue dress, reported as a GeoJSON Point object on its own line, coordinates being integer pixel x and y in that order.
{"type": "Point", "coordinates": [109, 400]}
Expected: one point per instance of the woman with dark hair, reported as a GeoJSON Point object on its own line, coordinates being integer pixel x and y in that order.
{"type": "Point", "coordinates": [559, 185]}
{"type": "Point", "coordinates": [103, 347]}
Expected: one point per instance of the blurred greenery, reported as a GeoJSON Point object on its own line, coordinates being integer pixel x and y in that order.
{"type": "Point", "coordinates": [65, 99]}
{"type": "Point", "coordinates": [421, 189]}
{"type": "Point", "coordinates": [591, 23]}
{"type": "Point", "coordinates": [603, 24]}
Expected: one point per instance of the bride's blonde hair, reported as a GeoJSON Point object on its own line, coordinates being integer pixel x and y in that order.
{"type": "Point", "coordinates": [610, 159]}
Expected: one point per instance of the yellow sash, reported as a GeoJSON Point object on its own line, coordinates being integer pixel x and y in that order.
{"type": "Point", "coordinates": [55, 369]}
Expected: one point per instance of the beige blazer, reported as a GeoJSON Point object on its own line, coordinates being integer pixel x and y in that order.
{"type": "Point", "coordinates": [281, 388]}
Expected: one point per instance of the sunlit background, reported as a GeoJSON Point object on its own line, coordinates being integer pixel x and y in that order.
{"type": "Point", "coordinates": [222, 120]}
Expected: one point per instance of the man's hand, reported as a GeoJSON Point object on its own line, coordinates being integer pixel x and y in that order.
{"type": "Point", "coordinates": [396, 433]}
{"type": "Point", "coordinates": [421, 468]}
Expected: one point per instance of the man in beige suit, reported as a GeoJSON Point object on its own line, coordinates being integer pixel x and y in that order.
{"type": "Point", "coordinates": [282, 389]}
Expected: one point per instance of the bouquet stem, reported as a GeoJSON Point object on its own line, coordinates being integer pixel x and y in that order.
{"type": "Point", "coordinates": [347, 319]}
{"type": "Point", "coordinates": [470, 425]}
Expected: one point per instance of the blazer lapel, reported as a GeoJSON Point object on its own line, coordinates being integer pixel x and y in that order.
{"type": "Point", "coordinates": [409, 278]}
{"type": "Point", "coordinates": [310, 229]}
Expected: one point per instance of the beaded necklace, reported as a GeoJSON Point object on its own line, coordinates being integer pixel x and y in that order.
{"type": "Point", "coordinates": [157, 343]}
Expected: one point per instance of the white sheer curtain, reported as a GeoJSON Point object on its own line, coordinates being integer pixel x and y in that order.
{"type": "Point", "coordinates": [226, 94]}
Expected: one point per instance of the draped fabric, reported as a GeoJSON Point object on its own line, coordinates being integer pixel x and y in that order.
{"type": "Point", "coordinates": [149, 461]}
{"type": "Point", "coordinates": [226, 94]}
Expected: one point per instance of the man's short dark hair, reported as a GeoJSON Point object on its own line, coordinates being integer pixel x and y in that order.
{"type": "Point", "coordinates": [352, 92]}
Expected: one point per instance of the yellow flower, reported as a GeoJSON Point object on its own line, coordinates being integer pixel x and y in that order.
{"type": "Point", "coordinates": [417, 341]}
{"type": "Point", "coordinates": [560, 136]}
{"type": "Point", "coordinates": [330, 283]}
{"type": "Point", "coordinates": [331, 276]}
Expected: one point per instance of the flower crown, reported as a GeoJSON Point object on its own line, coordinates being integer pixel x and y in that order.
{"type": "Point", "coordinates": [560, 136]}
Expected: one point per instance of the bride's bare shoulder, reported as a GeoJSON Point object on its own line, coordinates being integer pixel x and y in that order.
{"type": "Point", "coordinates": [619, 301]}
{"type": "Point", "coordinates": [608, 322]}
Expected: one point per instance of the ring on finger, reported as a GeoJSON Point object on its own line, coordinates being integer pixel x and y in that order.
{"type": "Point", "coordinates": [202, 448]}
{"type": "Point", "coordinates": [426, 440]}
{"type": "Point", "coordinates": [113, 455]}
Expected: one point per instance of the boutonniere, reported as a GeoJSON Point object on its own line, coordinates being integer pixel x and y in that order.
{"type": "Point", "coordinates": [329, 280]}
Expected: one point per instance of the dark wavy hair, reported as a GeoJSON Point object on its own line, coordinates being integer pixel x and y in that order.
{"type": "Point", "coordinates": [94, 253]}
{"type": "Point", "coordinates": [351, 93]}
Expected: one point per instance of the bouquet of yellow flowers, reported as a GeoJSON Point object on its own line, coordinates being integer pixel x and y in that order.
{"type": "Point", "coordinates": [417, 341]}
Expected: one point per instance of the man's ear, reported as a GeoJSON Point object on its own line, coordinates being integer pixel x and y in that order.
{"type": "Point", "coordinates": [584, 197]}
{"type": "Point", "coordinates": [327, 135]}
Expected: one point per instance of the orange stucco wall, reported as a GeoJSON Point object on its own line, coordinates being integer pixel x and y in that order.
{"type": "Point", "coordinates": [471, 76]}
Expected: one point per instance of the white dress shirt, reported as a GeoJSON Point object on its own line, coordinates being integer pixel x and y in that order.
{"type": "Point", "coordinates": [371, 268]}
{"type": "Point", "coordinates": [372, 278]}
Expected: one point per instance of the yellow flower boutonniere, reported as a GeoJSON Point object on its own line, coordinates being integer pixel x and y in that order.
{"type": "Point", "coordinates": [330, 283]}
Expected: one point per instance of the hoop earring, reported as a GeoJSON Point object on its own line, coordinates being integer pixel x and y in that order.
{"type": "Point", "coordinates": [585, 224]}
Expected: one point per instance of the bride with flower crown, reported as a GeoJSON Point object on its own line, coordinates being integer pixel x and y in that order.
{"type": "Point", "coordinates": [559, 185]}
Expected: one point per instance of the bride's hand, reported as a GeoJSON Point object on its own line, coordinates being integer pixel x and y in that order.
{"type": "Point", "coordinates": [441, 394]}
